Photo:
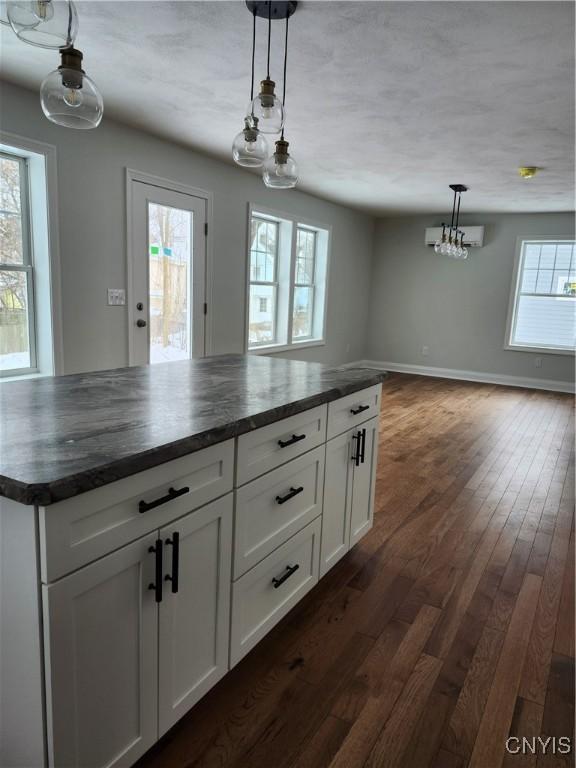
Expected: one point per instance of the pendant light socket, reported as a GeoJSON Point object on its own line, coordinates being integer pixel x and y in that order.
{"type": "Point", "coordinates": [71, 67]}
{"type": "Point", "coordinates": [267, 94]}
{"type": "Point", "coordinates": [281, 153]}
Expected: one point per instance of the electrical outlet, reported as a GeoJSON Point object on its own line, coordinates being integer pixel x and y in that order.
{"type": "Point", "coordinates": [425, 351]}
{"type": "Point", "coordinates": [116, 297]}
{"type": "Point", "coordinates": [538, 362]}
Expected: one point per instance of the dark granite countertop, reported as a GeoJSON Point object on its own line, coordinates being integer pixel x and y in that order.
{"type": "Point", "coordinates": [61, 436]}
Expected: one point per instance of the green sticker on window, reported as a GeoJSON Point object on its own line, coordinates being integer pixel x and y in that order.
{"type": "Point", "coordinates": [154, 250]}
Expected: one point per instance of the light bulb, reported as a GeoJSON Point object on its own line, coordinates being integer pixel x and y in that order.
{"type": "Point", "coordinates": [42, 9]}
{"type": "Point", "coordinates": [464, 253]}
{"type": "Point", "coordinates": [437, 246]}
{"type": "Point", "coordinates": [73, 97]}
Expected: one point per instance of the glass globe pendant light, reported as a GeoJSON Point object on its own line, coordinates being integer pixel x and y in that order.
{"type": "Point", "coordinates": [280, 170]}
{"type": "Point", "coordinates": [267, 107]}
{"type": "Point", "coordinates": [250, 148]}
{"type": "Point", "coordinates": [44, 23]}
{"type": "Point", "coordinates": [68, 96]}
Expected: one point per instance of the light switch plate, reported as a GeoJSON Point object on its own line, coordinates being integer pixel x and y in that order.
{"type": "Point", "coordinates": [116, 297]}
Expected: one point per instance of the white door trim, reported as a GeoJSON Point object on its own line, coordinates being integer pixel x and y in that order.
{"type": "Point", "coordinates": [173, 186]}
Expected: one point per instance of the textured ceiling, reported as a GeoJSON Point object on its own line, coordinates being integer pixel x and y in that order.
{"type": "Point", "coordinates": [388, 102]}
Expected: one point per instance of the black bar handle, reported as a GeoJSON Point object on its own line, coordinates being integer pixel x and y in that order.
{"type": "Point", "coordinates": [144, 506]}
{"type": "Point", "coordinates": [174, 542]}
{"type": "Point", "coordinates": [290, 495]}
{"type": "Point", "coordinates": [157, 585]}
{"type": "Point", "coordinates": [363, 448]}
{"type": "Point", "coordinates": [291, 441]}
{"type": "Point", "coordinates": [356, 458]}
{"type": "Point", "coordinates": [360, 409]}
{"type": "Point", "coordinates": [290, 569]}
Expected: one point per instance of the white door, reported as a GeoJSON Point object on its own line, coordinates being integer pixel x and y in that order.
{"type": "Point", "coordinates": [195, 608]}
{"type": "Point", "coordinates": [337, 498]}
{"type": "Point", "coordinates": [168, 275]}
{"type": "Point", "coordinates": [101, 647]}
{"type": "Point", "coordinates": [364, 481]}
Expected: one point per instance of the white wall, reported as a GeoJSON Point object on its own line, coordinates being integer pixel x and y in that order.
{"type": "Point", "coordinates": [458, 309]}
{"type": "Point", "coordinates": [91, 184]}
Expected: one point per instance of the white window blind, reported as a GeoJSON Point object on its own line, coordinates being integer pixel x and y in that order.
{"type": "Point", "coordinates": [544, 312]}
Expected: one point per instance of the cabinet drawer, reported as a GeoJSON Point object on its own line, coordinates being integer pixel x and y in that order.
{"type": "Point", "coordinates": [347, 412]}
{"type": "Point", "coordinates": [273, 508]}
{"type": "Point", "coordinates": [79, 530]}
{"type": "Point", "coordinates": [269, 447]}
{"type": "Point", "coordinates": [266, 593]}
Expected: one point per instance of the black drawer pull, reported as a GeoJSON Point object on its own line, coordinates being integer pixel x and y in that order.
{"type": "Point", "coordinates": [290, 569]}
{"type": "Point", "coordinates": [144, 506]}
{"type": "Point", "coordinates": [360, 409]}
{"type": "Point", "coordinates": [363, 446]}
{"type": "Point", "coordinates": [290, 495]}
{"type": "Point", "coordinates": [357, 458]}
{"type": "Point", "coordinates": [291, 441]}
{"type": "Point", "coordinates": [174, 542]}
{"type": "Point", "coordinates": [157, 585]}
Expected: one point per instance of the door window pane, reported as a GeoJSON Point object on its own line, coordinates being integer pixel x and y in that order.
{"type": "Point", "coordinates": [169, 267]}
{"type": "Point", "coordinates": [14, 321]}
{"type": "Point", "coordinates": [302, 319]}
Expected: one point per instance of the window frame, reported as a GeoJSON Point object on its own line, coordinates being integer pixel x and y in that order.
{"type": "Point", "coordinates": [27, 266]}
{"type": "Point", "coordinates": [293, 222]}
{"type": "Point", "coordinates": [514, 297]}
{"type": "Point", "coordinates": [274, 283]}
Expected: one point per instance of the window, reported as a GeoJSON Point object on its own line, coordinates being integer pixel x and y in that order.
{"type": "Point", "coordinates": [543, 315]}
{"type": "Point", "coordinates": [288, 267]}
{"type": "Point", "coordinates": [263, 280]}
{"type": "Point", "coordinates": [17, 322]}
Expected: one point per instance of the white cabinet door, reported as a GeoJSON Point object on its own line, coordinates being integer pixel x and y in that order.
{"type": "Point", "coordinates": [364, 481]}
{"type": "Point", "coordinates": [337, 499]}
{"type": "Point", "coordinates": [100, 626]}
{"type": "Point", "coordinates": [194, 620]}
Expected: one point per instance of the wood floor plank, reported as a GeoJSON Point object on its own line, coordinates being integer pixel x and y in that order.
{"type": "Point", "coordinates": [489, 747]}
{"type": "Point", "coordinates": [526, 724]}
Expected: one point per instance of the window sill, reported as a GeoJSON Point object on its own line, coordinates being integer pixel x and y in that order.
{"type": "Point", "coordinates": [538, 350]}
{"type": "Point", "coordinates": [272, 349]}
{"type": "Point", "coordinates": [24, 376]}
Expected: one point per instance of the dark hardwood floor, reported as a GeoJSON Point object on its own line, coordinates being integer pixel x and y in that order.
{"type": "Point", "coordinates": [449, 628]}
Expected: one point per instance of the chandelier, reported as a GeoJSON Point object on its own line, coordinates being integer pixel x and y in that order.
{"type": "Point", "coordinates": [449, 244]}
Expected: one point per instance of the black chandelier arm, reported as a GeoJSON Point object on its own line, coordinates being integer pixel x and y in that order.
{"type": "Point", "coordinates": [285, 69]}
{"type": "Point", "coordinates": [69, 31]}
{"type": "Point", "coordinates": [458, 209]}
{"type": "Point", "coordinates": [453, 209]}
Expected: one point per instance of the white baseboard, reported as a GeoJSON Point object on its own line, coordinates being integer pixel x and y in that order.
{"type": "Point", "coordinates": [453, 373]}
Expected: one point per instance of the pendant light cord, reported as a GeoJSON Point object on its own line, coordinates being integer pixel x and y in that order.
{"type": "Point", "coordinates": [253, 53]}
{"type": "Point", "coordinates": [285, 68]}
{"type": "Point", "coordinates": [69, 32]}
{"type": "Point", "coordinates": [269, 36]}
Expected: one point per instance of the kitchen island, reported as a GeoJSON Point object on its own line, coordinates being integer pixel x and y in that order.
{"type": "Point", "coordinates": [155, 524]}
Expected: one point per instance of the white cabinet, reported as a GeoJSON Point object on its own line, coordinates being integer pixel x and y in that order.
{"type": "Point", "coordinates": [349, 484]}
{"type": "Point", "coordinates": [101, 631]}
{"type": "Point", "coordinates": [364, 482]}
{"type": "Point", "coordinates": [195, 608]}
{"type": "Point", "coordinates": [136, 638]}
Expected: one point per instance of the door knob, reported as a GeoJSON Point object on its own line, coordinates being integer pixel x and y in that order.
{"type": "Point", "coordinates": [141, 323]}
